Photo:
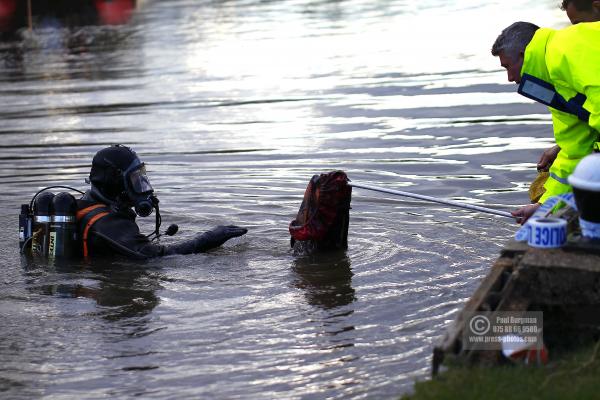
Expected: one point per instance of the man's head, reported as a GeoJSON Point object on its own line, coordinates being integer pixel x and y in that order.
{"type": "Point", "coordinates": [510, 48]}
{"type": "Point", "coordinates": [119, 175]}
{"type": "Point", "coordinates": [581, 10]}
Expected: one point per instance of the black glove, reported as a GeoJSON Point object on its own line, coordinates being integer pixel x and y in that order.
{"type": "Point", "coordinates": [216, 237]}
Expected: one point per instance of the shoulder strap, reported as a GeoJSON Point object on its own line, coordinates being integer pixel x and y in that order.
{"type": "Point", "coordinates": [87, 217]}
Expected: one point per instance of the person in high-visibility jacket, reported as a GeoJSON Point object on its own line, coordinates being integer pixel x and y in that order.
{"type": "Point", "coordinates": [559, 68]}
{"type": "Point", "coordinates": [577, 11]}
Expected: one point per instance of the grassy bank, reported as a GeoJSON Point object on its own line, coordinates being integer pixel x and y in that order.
{"type": "Point", "coordinates": [568, 376]}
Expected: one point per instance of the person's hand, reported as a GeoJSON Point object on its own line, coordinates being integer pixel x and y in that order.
{"type": "Point", "coordinates": [523, 213]}
{"type": "Point", "coordinates": [547, 158]}
{"type": "Point", "coordinates": [217, 236]}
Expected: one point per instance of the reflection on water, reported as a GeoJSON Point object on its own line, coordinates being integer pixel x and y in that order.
{"type": "Point", "coordinates": [234, 106]}
{"type": "Point", "coordinates": [325, 278]}
{"type": "Point", "coordinates": [119, 289]}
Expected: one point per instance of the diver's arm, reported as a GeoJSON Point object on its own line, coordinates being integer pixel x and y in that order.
{"type": "Point", "coordinates": [122, 236]}
{"type": "Point", "coordinates": [118, 234]}
{"type": "Point", "coordinates": [206, 241]}
{"type": "Point", "coordinates": [120, 248]}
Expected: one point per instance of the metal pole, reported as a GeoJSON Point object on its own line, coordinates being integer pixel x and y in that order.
{"type": "Point", "coordinates": [433, 199]}
{"type": "Point", "coordinates": [29, 16]}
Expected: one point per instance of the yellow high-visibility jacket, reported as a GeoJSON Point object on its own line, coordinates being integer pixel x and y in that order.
{"type": "Point", "coordinates": [569, 59]}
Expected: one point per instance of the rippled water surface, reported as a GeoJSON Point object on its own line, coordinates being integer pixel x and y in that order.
{"type": "Point", "coordinates": [234, 105]}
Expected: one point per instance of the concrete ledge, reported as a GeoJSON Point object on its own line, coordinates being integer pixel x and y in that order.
{"type": "Point", "coordinates": [565, 285]}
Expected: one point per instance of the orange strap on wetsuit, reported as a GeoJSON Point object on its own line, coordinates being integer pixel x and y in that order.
{"type": "Point", "coordinates": [89, 216]}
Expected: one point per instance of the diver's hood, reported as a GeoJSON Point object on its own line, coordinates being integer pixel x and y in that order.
{"type": "Point", "coordinates": [119, 177]}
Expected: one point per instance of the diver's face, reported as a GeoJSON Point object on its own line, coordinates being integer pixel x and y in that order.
{"type": "Point", "coordinates": [513, 66]}
{"type": "Point", "coordinates": [576, 16]}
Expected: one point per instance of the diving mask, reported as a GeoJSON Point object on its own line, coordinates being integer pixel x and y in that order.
{"type": "Point", "coordinates": [138, 188]}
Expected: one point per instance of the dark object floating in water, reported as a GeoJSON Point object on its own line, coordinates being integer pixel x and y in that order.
{"type": "Point", "coordinates": [323, 218]}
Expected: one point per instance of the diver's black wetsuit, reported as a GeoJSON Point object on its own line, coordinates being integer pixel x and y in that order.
{"type": "Point", "coordinates": [118, 233]}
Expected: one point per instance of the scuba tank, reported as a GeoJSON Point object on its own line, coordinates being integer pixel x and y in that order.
{"type": "Point", "coordinates": [48, 224]}
{"type": "Point", "coordinates": [62, 239]}
{"type": "Point", "coordinates": [41, 224]}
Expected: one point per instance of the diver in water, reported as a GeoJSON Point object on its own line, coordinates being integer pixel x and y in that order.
{"type": "Point", "coordinates": [120, 190]}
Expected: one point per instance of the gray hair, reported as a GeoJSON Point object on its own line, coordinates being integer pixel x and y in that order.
{"type": "Point", "coordinates": [514, 39]}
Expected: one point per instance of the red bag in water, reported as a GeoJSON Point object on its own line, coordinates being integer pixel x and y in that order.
{"type": "Point", "coordinates": [324, 213]}
{"type": "Point", "coordinates": [115, 12]}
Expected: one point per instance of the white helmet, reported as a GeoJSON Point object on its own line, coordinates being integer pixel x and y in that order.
{"type": "Point", "coordinates": [587, 174]}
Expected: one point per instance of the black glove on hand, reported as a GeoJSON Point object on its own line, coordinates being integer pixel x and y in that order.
{"type": "Point", "coordinates": [217, 236]}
